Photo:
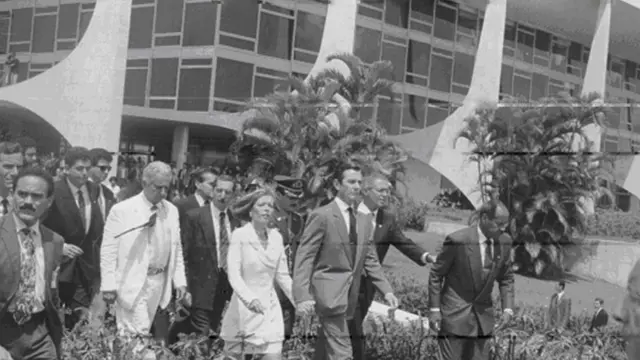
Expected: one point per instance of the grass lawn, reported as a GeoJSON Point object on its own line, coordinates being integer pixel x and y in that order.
{"type": "Point", "coordinates": [528, 291]}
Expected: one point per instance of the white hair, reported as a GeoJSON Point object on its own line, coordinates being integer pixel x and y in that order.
{"type": "Point", "coordinates": [154, 170]}
{"type": "Point", "coordinates": [372, 178]}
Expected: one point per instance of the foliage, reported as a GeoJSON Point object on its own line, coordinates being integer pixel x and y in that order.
{"type": "Point", "coordinates": [612, 223]}
{"type": "Point", "coordinates": [452, 199]}
{"type": "Point", "coordinates": [537, 173]}
{"type": "Point", "coordinates": [412, 215]}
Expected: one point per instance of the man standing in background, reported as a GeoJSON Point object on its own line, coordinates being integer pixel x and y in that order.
{"type": "Point", "coordinates": [600, 317]}
{"type": "Point", "coordinates": [559, 309]}
{"type": "Point", "coordinates": [11, 161]}
{"type": "Point", "coordinates": [101, 161]}
{"type": "Point", "coordinates": [29, 150]}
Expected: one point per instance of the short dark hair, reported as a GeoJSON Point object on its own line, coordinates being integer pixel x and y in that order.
{"type": "Point", "coordinates": [342, 167]}
{"type": "Point", "coordinates": [10, 148]}
{"type": "Point", "coordinates": [26, 143]}
{"type": "Point", "coordinates": [36, 171]}
{"type": "Point", "coordinates": [600, 301]}
{"type": "Point", "coordinates": [198, 176]}
{"type": "Point", "coordinates": [75, 154]}
{"type": "Point", "coordinates": [225, 177]}
{"type": "Point", "coordinates": [561, 284]}
{"type": "Point", "coordinates": [98, 154]}
{"type": "Point", "coordinates": [113, 178]}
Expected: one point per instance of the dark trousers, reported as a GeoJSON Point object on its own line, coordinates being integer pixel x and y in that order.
{"type": "Point", "coordinates": [76, 297]}
{"type": "Point", "coordinates": [453, 347]}
{"type": "Point", "coordinates": [30, 341]}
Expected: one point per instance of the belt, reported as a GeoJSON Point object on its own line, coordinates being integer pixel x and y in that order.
{"type": "Point", "coordinates": [152, 270]}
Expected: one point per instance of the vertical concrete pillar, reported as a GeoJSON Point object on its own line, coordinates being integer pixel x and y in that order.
{"type": "Point", "coordinates": [180, 145]}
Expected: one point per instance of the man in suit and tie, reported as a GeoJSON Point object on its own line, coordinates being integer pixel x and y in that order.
{"type": "Point", "coordinates": [334, 251]}
{"type": "Point", "coordinates": [600, 317]}
{"type": "Point", "coordinates": [461, 282]}
{"type": "Point", "coordinates": [141, 258]}
{"type": "Point", "coordinates": [30, 324]}
{"type": "Point", "coordinates": [206, 241]}
{"type": "Point", "coordinates": [377, 190]}
{"type": "Point", "coordinates": [101, 161]}
{"type": "Point", "coordinates": [203, 180]}
{"type": "Point", "coordinates": [76, 216]}
{"type": "Point", "coordinates": [11, 161]}
{"type": "Point", "coordinates": [559, 309]}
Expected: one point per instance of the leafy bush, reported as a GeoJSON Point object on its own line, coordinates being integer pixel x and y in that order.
{"type": "Point", "coordinates": [524, 338]}
{"type": "Point", "coordinates": [412, 214]}
{"type": "Point", "coordinates": [611, 223]}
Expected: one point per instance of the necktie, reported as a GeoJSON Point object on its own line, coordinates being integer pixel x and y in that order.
{"type": "Point", "coordinates": [207, 202]}
{"type": "Point", "coordinates": [353, 233]}
{"type": "Point", "coordinates": [488, 254]}
{"type": "Point", "coordinates": [5, 206]}
{"type": "Point", "coordinates": [81, 206]}
{"type": "Point", "coordinates": [26, 295]}
{"type": "Point", "coordinates": [224, 242]}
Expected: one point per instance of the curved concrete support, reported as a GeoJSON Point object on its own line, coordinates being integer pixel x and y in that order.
{"type": "Point", "coordinates": [81, 96]}
{"type": "Point", "coordinates": [448, 154]}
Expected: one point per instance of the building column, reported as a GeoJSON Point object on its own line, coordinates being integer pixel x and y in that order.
{"type": "Point", "coordinates": [180, 145]}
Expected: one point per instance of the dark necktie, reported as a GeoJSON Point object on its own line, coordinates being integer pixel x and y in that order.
{"type": "Point", "coordinates": [224, 242]}
{"type": "Point", "coordinates": [81, 206]}
{"type": "Point", "coordinates": [353, 232]}
{"type": "Point", "coordinates": [488, 258]}
{"type": "Point", "coordinates": [26, 295]}
{"type": "Point", "coordinates": [5, 206]}
{"type": "Point", "coordinates": [207, 202]}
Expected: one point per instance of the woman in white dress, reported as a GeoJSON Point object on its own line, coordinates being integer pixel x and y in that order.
{"type": "Point", "coordinates": [253, 324]}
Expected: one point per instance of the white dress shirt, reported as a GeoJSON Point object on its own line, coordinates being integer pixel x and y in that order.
{"type": "Point", "coordinates": [215, 214]}
{"type": "Point", "coordinates": [199, 199]}
{"type": "Point", "coordinates": [87, 203]}
{"type": "Point", "coordinates": [9, 205]}
{"type": "Point", "coordinates": [483, 246]}
{"type": "Point", "coordinates": [40, 265]}
{"type": "Point", "coordinates": [102, 202]}
{"type": "Point", "coordinates": [344, 210]}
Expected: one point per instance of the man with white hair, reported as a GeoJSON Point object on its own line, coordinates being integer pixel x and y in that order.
{"type": "Point", "coordinates": [141, 254]}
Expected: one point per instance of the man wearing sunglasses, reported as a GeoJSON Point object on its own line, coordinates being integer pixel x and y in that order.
{"type": "Point", "coordinates": [101, 161]}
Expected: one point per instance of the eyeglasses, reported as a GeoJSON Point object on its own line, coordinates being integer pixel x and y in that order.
{"type": "Point", "coordinates": [105, 168]}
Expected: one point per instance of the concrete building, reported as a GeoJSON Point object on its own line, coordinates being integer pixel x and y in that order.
{"type": "Point", "coordinates": [190, 63]}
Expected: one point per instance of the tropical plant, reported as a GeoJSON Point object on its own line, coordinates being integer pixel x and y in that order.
{"type": "Point", "coordinates": [539, 174]}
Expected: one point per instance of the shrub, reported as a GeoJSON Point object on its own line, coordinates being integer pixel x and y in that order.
{"type": "Point", "coordinates": [412, 215]}
{"type": "Point", "coordinates": [612, 223]}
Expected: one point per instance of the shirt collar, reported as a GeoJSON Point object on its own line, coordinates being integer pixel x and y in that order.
{"type": "Point", "coordinates": [74, 189]}
{"type": "Point", "coordinates": [199, 199]}
{"type": "Point", "coordinates": [481, 237]}
{"type": "Point", "coordinates": [343, 206]}
{"type": "Point", "coordinates": [148, 203]}
{"type": "Point", "coordinates": [21, 225]}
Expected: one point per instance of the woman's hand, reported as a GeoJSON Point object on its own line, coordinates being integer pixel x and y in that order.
{"type": "Point", "coordinates": [256, 306]}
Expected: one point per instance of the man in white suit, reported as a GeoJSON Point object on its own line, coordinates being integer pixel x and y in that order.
{"type": "Point", "coordinates": [141, 255]}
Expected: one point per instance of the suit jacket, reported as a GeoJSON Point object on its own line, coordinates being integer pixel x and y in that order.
{"type": "Point", "coordinates": [124, 260]}
{"type": "Point", "coordinates": [109, 199]}
{"type": "Point", "coordinates": [10, 273]}
{"type": "Point", "coordinates": [629, 312]}
{"type": "Point", "coordinates": [64, 218]}
{"type": "Point", "coordinates": [387, 233]}
{"type": "Point", "coordinates": [599, 320]}
{"type": "Point", "coordinates": [324, 268]}
{"type": "Point", "coordinates": [457, 287]}
{"type": "Point", "coordinates": [559, 312]}
{"type": "Point", "coordinates": [184, 205]}
{"type": "Point", "coordinates": [201, 258]}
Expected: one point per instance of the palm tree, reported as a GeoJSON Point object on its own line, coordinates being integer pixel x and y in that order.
{"type": "Point", "coordinates": [544, 182]}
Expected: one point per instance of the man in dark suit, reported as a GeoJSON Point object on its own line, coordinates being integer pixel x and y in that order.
{"type": "Point", "coordinates": [559, 309]}
{"type": "Point", "coordinates": [203, 180]}
{"type": "Point", "coordinates": [76, 216]}
{"type": "Point", "coordinates": [206, 240]}
{"type": "Point", "coordinates": [377, 190]}
{"type": "Point", "coordinates": [11, 161]}
{"type": "Point", "coordinates": [600, 317]}
{"type": "Point", "coordinates": [101, 161]}
{"type": "Point", "coordinates": [30, 324]}
{"type": "Point", "coordinates": [461, 282]}
{"type": "Point", "coordinates": [335, 249]}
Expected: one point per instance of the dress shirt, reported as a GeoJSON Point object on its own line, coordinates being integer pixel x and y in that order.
{"type": "Point", "coordinates": [199, 199]}
{"type": "Point", "coordinates": [159, 246]}
{"type": "Point", "coordinates": [87, 203]}
{"type": "Point", "coordinates": [40, 266]}
{"type": "Point", "coordinates": [9, 205]}
{"type": "Point", "coordinates": [102, 202]}
{"type": "Point", "coordinates": [215, 213]}
{"type": "Point", "coordinates": [344, 210]}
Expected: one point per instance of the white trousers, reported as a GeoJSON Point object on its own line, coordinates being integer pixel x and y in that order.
{"type": "Point", "coordinates": [138, 319]}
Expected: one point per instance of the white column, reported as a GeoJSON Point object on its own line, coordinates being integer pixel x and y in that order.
{"type": "Point", "coordinates": [180, 145]}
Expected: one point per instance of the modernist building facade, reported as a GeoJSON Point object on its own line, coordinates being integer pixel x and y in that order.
{"type": "Point", "coordinates": [191, 62]}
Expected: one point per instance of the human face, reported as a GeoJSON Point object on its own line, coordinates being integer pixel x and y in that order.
{"type": "Point", "coordinates": [157, 188]}
{"type": "Point", "coordinates": [350, 187]}
{"type": "Point", "coordinates": [104, 167]}
{"type": "Point", "coordinates": [222, 194]}
{"type": "Point", "coordinates": [378, 194]}
{"type": "Point", "coordinates": [78, 173]}
{"type": "Point", "coordinates": [10, 165]}
{"type": "Point", "coordinates": [30, 199]}
{"type": "Point", "coordinates": [494, 226]}
{"type": "Point", "coordinates": [205, 188]}
{"type": "Point", "coordinates": [559, 288]}
{"type": "Point", "coordinates": [262, 211]}
{"type": "Point", "coordinates": [30, 155]}
{"type": "Point", "coordinates": [596, 304]}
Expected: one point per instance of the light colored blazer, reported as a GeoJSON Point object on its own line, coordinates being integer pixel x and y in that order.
{"type": "Point", "coordinates": [124, 261]}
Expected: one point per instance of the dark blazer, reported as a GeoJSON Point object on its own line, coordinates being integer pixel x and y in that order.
{"type": "Point", "coordinates": [109, 199]}
{"type": "Point", "coordinates": [201, 259]}
{"type": "Point", "coordinates": [559, 312]}
{"type": "Point", "coordinates": [64, 218]}
{"type": "Point", "coordinates": [184, 205]}
{"type": "Point", "coordinates": [599, 320]}
{"type": "Point", "coordinates": [387, 233]}
{"type": "Point", "coordinates": [10, 273]}
{"type": "Point", "coordinates": [457, 288]}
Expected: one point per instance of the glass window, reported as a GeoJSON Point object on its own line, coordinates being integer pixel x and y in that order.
{"type": "Point", "coordinates": [630, 71]}
{"type": "Point", "coordinates": [467, 23]}
{"type": "Point", "coordinates": [264, 86]}
{"type": "Point", "coordinates": [367, 44]}
{"type": "Point", "coordinates": [68, 24]}
{"type": "Point", "coordinates": [309, 28]}
{"type": "Point", "coordinates": [5, 23]}
{"type": "Point", "coordinates": [233, 80]}
{"type": "Point", "coordinates": [44, 33]}
{"type": "Point", "coordinates": [141, 28]}
{"type": "Point", "coordinates": [22, 20]}
{"type": "Point", "coordinates": [195, 89]}
{"type": "Point", "coordinates": [413, 114]}
{"type": "Point", "coordinates": [397, 13]}
{"type": "Point", "coordinates": [276, 34]}
{"type": "Point", "coordinates": [437, 111]}
{"type": "Point", "coordinates": [539, 85]}
{"type": "Point", "coordinates": [510, 35]}
{"type": "Point", "coordinates": [543, 42]}
{"type": "Point", "coordinates": [85, 19]}
{"type": "Point", "coordinates": [521, 87]}
{"type": "Point", "coordinates": [423, 10]}
{"type": "Point", "coordinates": [445, 24]}
{"type": "Point", "coordinates": [616, 73]}
{"type": "Point", "coordinates": [418, 58]}
{"type": "Point", "coordinates": [164, 75]}
{"type": "Point", "coordinates": [240, 17]}
{"type": "Point", "coordinates": [389, 115]}
{"type": "Point", "coordinates": [463, 68]}
{"type": "Point", "coordinates": [525, 44]}
{"type": "Point", "coordinates": [169, 16]}
{"type": "Point", "coordinates": [559, 53]}
{"type": "Point", "coordinates": [613, 118]}
{"type": "Point", "coordinates": [23, 71]}
{"type": "Point", "coordinates": [396, 54]}
{"type": "Point", "coordinates": [440, 78]}
{"type": "Point", "coordinates": [135, 84]}
{"type": "Point", "coordinates": [199, 24]}
{"type": "Point", "coordinates": [506, 80]}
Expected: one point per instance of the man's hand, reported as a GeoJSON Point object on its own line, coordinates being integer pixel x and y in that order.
{"type": "Point", "coordinates": [427, 258]}
{"type": "Point", "coordinates": [71, 251]}
{"type": "Point", "coordinates": [256, 306]}
{"type": "Point", "coordinates": [435, 319]}
{"type": "Point", "coordinates": [306, 307]}
{"type": "Point", "coordinates": [391, 300]}
{"type": "Point", "coordinates": [183, 296]}
{"type": "Point", "coordinates": [109, 297]}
